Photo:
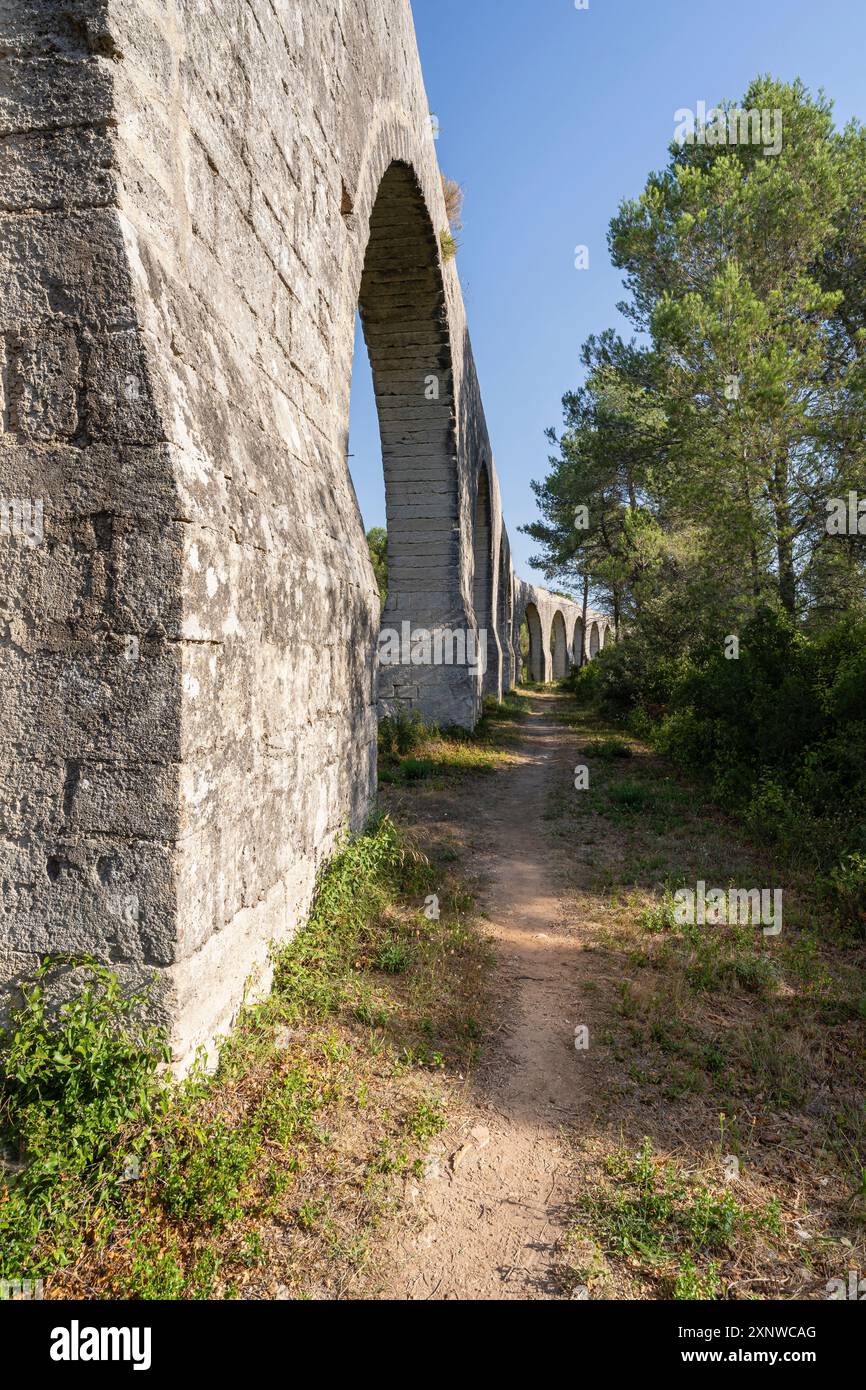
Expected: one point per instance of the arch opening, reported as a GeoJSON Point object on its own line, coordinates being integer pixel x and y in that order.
{"type": "Point", "coordinates": [482, 591]}
{"type": "Point", "coordinates": [594, 641]}
{"type": "Point", "coordinates": [522, 656]}
{"type": "Point", "coordinates": [402, 310]}
{"type": "Point", "coordinates": [505, 619]}
{"type": "Point", "coordinates": [559, 647]}
{"type": "Point", "coordinates": [535, 655]}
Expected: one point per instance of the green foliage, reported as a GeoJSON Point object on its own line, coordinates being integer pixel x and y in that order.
{"type": "Point", "coordinates": [84, 1099]}
{"type": "Point", "coordinates": [523, 644]}
{"type": "Point", "coordinates": [377, 542]}
{"type": "Point", "coordinates": [393, 957]}
{"type": "Point", "coordinates": [403, 733]}
{"type": "Point", "coordinates": [401, 737]}
{"type": "Point", "coordinates": [425, 1121]}
{"type": "Point", "coordinates": [631, 796]}
{"type": "Point", "coordinates": [725, 257]}
{"type": "Point", "coordinates": [312, 971]}
{"type": "Point", "coordinates": [661, 916]}
{"type": "Point", "coordinates": [413, 750]}
{"type": "Point", "coordinates": [203, 1169]}
{"type": "Point", "coordinates": [72, 1080]}
{"type": "Point", "coordinates": [670, 1226]}
{"type": "Point", "coordinates": [448, 244]}
{"type": "Point", "coordinates": [691, 1285]}
{"type": "Point", "coordinates": [608, 749]}
{"type": "Point", "coordinates": [847, 884]}
{"type": "Point", "coordinates": [512, 706]}
{"type": "Point", "coordinates": [77, 1081]}
{"type": "Point", "coordinates": [583, 682]}
{"type": "Point", "coordinates": [778, 736]}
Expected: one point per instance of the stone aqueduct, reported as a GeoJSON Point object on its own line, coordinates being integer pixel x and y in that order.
{"type": "Point", "coordinates": [197, 196]}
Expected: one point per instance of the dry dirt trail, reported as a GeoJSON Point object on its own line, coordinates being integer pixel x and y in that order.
{"type": "Point", "coordinates": [485, 1223]}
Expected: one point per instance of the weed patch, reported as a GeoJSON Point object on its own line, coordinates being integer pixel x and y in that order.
{"type": "Point", "coordinates": [119, 1183]}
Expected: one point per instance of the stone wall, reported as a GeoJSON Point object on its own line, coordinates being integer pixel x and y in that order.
{"type": "Point", "coordinates": [198, 195]}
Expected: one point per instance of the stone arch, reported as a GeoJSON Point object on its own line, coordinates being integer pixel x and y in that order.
{"type": "Point", "coordinates": [482, 584]}
{"type": "Point", "coordinates": [536, 643]}
{"type": "Point", "coordinates": [594, 641]}
{"type": "Point", "coordinates": [559, 646]}
{"type": "Point", "coordinates": [401, 300]}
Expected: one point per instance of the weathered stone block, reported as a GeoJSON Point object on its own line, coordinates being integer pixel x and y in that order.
{"type": "Point", "coordinates": [44, 382]}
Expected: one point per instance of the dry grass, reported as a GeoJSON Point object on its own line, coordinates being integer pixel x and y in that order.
{"type": "Point", "coordinates": [454, 197]}
{"type": "Point", "coordinates": [726, 1051]}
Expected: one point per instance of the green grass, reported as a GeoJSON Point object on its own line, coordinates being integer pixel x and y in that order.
{"type": "Point", "coordinates": [315, 972]}
{"type": "Point", "coordinates": [608, 749]}
{"type": "Point", "coordinates": [670, 1227]}
{"type": "Point", "coordinates": [407, 770]}
{"type": "Point", "coordinates": [414, 751]}
{"type": "Point", "coordinates": [513, 705]}
{"type": "Point", "coordinates": [630, 796]}
{"type": "Point", "coordinates": [393, 957]}
{"type": "Point", "coordinates": [404, 733]}
{"type": "Point", "coordinates": [426, 1121]}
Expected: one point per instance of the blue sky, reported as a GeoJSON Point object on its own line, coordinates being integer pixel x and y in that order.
{"type": "Point", "coordinates": [549, 116]}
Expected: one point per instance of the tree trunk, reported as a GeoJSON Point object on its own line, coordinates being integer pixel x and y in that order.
{"type": "Point", "coordinates": [753, 546]}
{"type": "Point", "coordinates": [784, 540]}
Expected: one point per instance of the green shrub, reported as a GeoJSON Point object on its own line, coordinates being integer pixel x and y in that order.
{"type": "Point", "coordinates": [71, 1077]}
{"type": "Point", "coordinates": [583, 683]}
{"type": "Point", "coordinates": [77, 1083]}
{"type": "Point", "coordinates": [607, 749]}
{"type": "Point", "coordinates": [779, 735]}
{"type": "Point", "coordinates": [403, 733]}
{"type": "Point", "coordinates": [847, 883]}
{"type": "Point", "coordinates": [631, 796]}
{"type": "Point", "coordinates": [101, 1146]}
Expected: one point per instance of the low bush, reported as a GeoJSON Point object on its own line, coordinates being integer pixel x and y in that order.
{"type": "Point", "coordinates": [778, 734]}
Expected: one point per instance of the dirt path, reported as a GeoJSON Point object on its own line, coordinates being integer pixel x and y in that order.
{"type": "Point", "coordinates": [486, 1220]}
{"type": "Point", "coordinates": [710, 1142]}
